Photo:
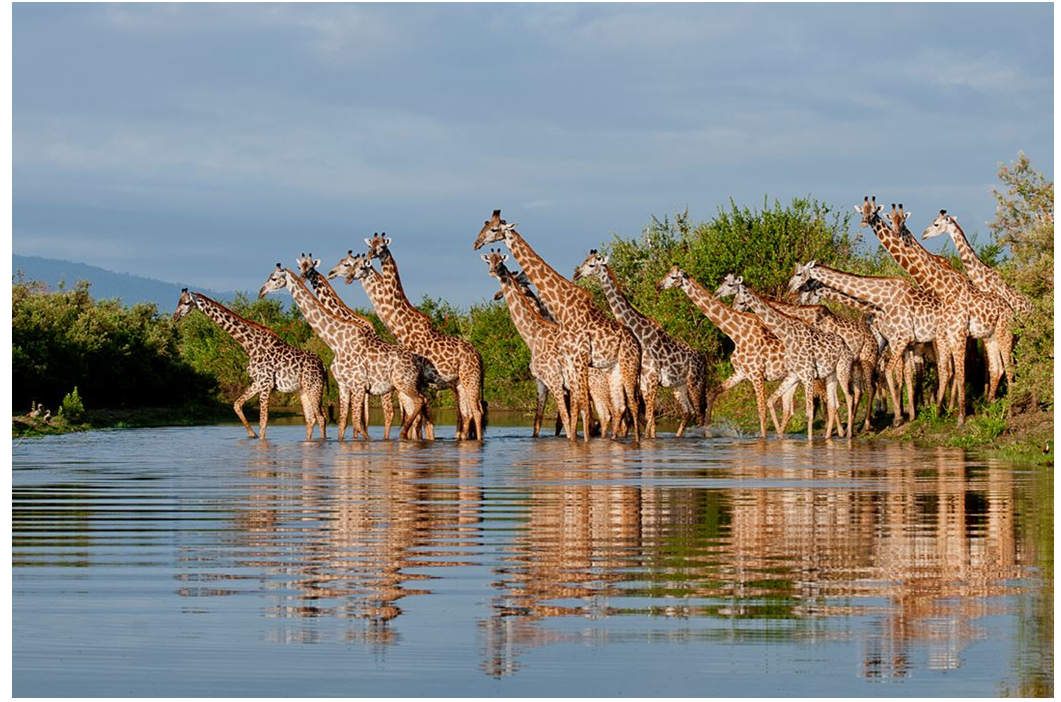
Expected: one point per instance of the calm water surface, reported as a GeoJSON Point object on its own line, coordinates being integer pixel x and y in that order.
{"type": "Point", "coordinates": [192, 561]}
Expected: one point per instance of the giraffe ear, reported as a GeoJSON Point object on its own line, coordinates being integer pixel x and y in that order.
{"type": "Point", "coordinates": [509, 227]}
{"type": "Point", "coordinates": [485, 258]}
{"type": "Point", "coordinates": [740, 280]}
{"type": "Point", "coordinates": [604, 260]}
{"type": "Point", "coordinates": [368, 242]}
{"type": "Point", "coordinates": [504, 257]}
{"type": "Point", "coordinates": [387, 241]}
{"type": "Point", "coordinates": [316, 262]}
{"type": "Point", "coordinates": [906, 215]}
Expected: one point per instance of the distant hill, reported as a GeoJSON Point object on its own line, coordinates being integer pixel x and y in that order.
{"type": "Point", "coordinates": [107, 284]}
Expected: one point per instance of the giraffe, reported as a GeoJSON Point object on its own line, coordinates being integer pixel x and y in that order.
{"type": "Point", "coordinates": [810, 354]}
{"type": "Point", "coordinates": [363, 363]}
{"type": "Point", "coordinates": [905, 314]}
{"type": "Point", "coordinates": [452, 363]}
{"type": "Point", "coordinates": [612, 346]}
{"type": "Point", "coordinates": [813, 292]}
{"type": "Point", "coordinates": [599, 391]}
{"type": "Point", "coordinates": [758, 355]}
{"type": "Point", "coordinates": [330, 300]}
{"type": "Point", "coordinates": [272, 364]}
{"type": "Point", "coordinates": [456, 354]}
{"type": "Point", "coordinates": [965, 311]}
{"type": "Point", "coordinates": [857, 335]}
{"type": "Point", "coordinates": [984, 278]}
{"type": "Point", "coordinates": [559, 358]}
{"type": "Point", "coordinates": [665, 360]}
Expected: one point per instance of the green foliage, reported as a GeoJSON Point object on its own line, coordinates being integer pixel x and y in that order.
{"type": "Point", "coordinates": [72, 409]}
{"type": "Point", "coordinates": [446, 318]}
{"type": "Point", "coordinates": [1024, 221]}
{"type": "Point", "coordinates": [115, 356]}
{"type": "Point", "coordinates": [506, 359]}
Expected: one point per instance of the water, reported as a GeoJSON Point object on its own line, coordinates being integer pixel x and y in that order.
{"type": "Point", "coordinates": [193, 561]}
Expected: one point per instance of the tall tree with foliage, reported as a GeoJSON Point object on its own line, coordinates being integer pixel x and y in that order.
{"type": "Point", "coordinates": [1024, 221]}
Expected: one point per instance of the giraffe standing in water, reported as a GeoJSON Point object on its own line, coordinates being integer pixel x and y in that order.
{"type": "Point", "coordinates": [363, 363]}
{"type": "Point", "coordinates": [330, 300]}
{"type": "Point", "coordinates": [810, 354]}
{"type": "Point", "coordinates": [665, 360]}
{"type": "Point", "coordinates": [612, 346]}
{"type": "Point", "coordinates": [559, 360]}
{"type": "Point", "coordinates": [452, 363]}
{"type": "Point", "coordinates": [758, 355]}
{"type": "Point", "coordinates": [272, 363]}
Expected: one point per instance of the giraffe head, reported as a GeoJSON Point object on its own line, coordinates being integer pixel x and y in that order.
{"type": "Point", "coordinates": [595, 265]}
{"type": "Point", "coordinates": [897, 219]}
{"type": "Point", "coordinates": [344, 267]}
{"type": "Point", "coordinates": [185, 305]}
{"type": "Point", "coordinates": [804, 273]}
{"type": "Point", "coordinates": [494, 229]}
{"type": "Point", "coordinates": [495, 261]}
{"type": "Point", "coordinates": [810, 292]}
{"type": "Point", "coordinates": [378, 246]}
{"type": "Point", "coordinates": [943, 224]}
{"type": "Point", "coordinates": [307, 266]}
{"type": "Point", "coordinates": [731, 285]}
{"type": "Point", "coordinates": [360, 268]}
{"type": "Point", "coordinates": [675, 278]}
{"type": "Point", "coordinates": [277, 279]}
{"type": "Point", "coordinates": [869, 209]}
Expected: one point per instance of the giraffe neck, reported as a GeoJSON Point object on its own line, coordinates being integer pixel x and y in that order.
{"type": "Point", "coordinates": [243, 330]}
{"type": "Point", "coordinates": [834, 295]}
{"type": "Point", "coordinates": [733, 323]}
{"type": "Point", "coordinates": [808, 313]}
{"type": "Point", "coordinates": [330, 300]}
{"type": "Point", "coordinates": [784, 327]}
{"type": "Point", "coordinates": [974, 267]}
{"type": "Point", "coordinates": [874, 291]}
{"type": "Point", "coordinates": [557, 292]}
{"type": "Point", "coordinates": [524, 312]}
{"type": "Point", "coordinates": [397, 313]}
{"type": "Point", "coordinates": [327, 326]}
{"type": "Point", "coordinates": [928, 270]}
{"type": "Point", "coordinates": [621, 307]}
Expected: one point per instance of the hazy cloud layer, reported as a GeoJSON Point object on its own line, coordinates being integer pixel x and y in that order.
{"type": "Point", "coordinates": [206, 142]}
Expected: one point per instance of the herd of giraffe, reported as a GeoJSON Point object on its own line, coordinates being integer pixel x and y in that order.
{"type": "Point", "coordinates": [614, 364]}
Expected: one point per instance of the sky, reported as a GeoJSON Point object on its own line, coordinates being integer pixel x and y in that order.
{"type": "Point", "coordinates": [205, 143]}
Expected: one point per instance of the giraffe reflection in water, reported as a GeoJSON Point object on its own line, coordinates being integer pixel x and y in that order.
{"type": "Point", "coordinates": [775, 541]}
{"type": "Point", "coordinates": [338, 537]}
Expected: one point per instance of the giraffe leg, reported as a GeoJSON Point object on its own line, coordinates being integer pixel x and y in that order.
{"type": "Point", "coordinates": [471, 382]}
{"type": "Point", "coordinates": [386, 403]}
{"type": "Point", "coordinates": [958, 351]}
{"type": "Point", "coordinates": [630, 365]}
{"type": "Point", "coordinates": [759, 385]}
{"type": "Point", "coordinates": [308, 412]}
{"type": "Point", "coordinates": [582, 393]}
{"type": "Point", "coordinates": [344, 410]}
{"type": "Point", "coordinates": [1005, 352]}
{"type": "Point", "coordinates": [617, 406]}
{"type": "Point", "coordinates": [648, 383]}
{"type": "Point", "coordinates": [869, 382]}
{"type": "Point", "coordinates": [539, 407]}
{"type": "Point", "coordinates": [760, 388]}
{"type": "Point", "coordinates": [808, 390]}
{"type": "Point", "coordinates": [682, 392]}
{"type": "Point", "coordinates": [844, 379]}
{"type": "Point", "coordinates": [238, 406]}
{"type": "Point", "coordinates": [357, 402]}
{"type": "Point", "coordinates": [263, 412]}
{"type": "Point", "coordinates": [994, 368]}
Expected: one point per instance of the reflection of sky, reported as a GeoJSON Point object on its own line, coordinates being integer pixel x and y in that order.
{"type": "Point", "coordinates": [205, 142]}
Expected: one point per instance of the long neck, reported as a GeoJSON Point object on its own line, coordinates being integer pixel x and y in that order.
{"type": "Point", "coordinates": [557, 291]}
{"type": "Point", "coordinates": [244, 331]}
{"type": "Point", "coordinates": [621, 307]}
{"type": "Point", "coordinates": [777, 322]}
{"type": "Point", "coordinates": [330, 300]}
{"type": "Point", "coordinates": [524, 312]}
{"type": "Point", "coordinates": [327, 326]}
{"type": "Point", "coordinates": [833, 295]}
{"type": "Point", "coordinates": [913, 259]}
{"type": "Point", "coordinates": [874, 291]}
{"type": "Point", "coordinates": [733, 323]}
{"type": "Point", "coordinates": [808, 313]}
{"type": "Point", "coordinates": [390, 302]}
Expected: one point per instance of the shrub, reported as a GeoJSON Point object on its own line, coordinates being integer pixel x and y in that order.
{"type": "Point", "coordinates": [72, 409]}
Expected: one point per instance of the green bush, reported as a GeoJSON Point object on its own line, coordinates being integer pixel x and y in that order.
{"type": "Point", "coordinates": [72, 409]}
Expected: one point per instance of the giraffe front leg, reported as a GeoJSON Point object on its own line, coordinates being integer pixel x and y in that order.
{"type": "Point", "coordinates": [648, 384]}
{"type": "Point", "coordinates": [357, 403]}
{"type": "Point", "coordinates": [870, 385]}
{"type": "Point", "coordinates": [688, 412]}
{"type": "Point", "coordinates": [386, 402]}
{"type": "Point", "coordinates": [344, 410]}
{"type": "Point", "coordinates": [309, 413]}
{"type": "Point", "coordinates": [786, 386]}
{"type": "Point", "coordinates": [238, 406]}
{"type": "Point", "coordinates": [808, 391]}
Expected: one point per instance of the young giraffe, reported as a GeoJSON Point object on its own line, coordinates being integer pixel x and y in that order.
{"type": "Point", "coordinates": [758, 355]}
{"type": "Point", "coordinates": [451, 355]}
{"type": "Point", "coordinates": [598, 381]}
{"type": "Point", "coordinates": [810, 354]}
{"type": "Point", "coordinates": [330, 300]}
{"type": "Point", "coordinates": [856, 334]}
{"type": "Point", "coordinates": [558, 359]}
{"type": "Point", "coordinates": [452, 363]}
{"type": "Point", "coordinates": [984, 278]}
{"type": "Point", "coordinates": [965, 311]}
{"type": "Point", "coordinates": [612, 346]}
{"type": "Point", "coordinates": [272, 363]}
{"type": "Point", "coordinates": [905, 314]}
{"type": "Point", "coordinates": [363, 363]}
{"type": "Point", "coordinates": [665, 360]}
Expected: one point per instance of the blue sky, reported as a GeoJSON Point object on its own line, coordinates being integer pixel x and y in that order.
{"type": "Point", "coordinates": [206, 142]}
